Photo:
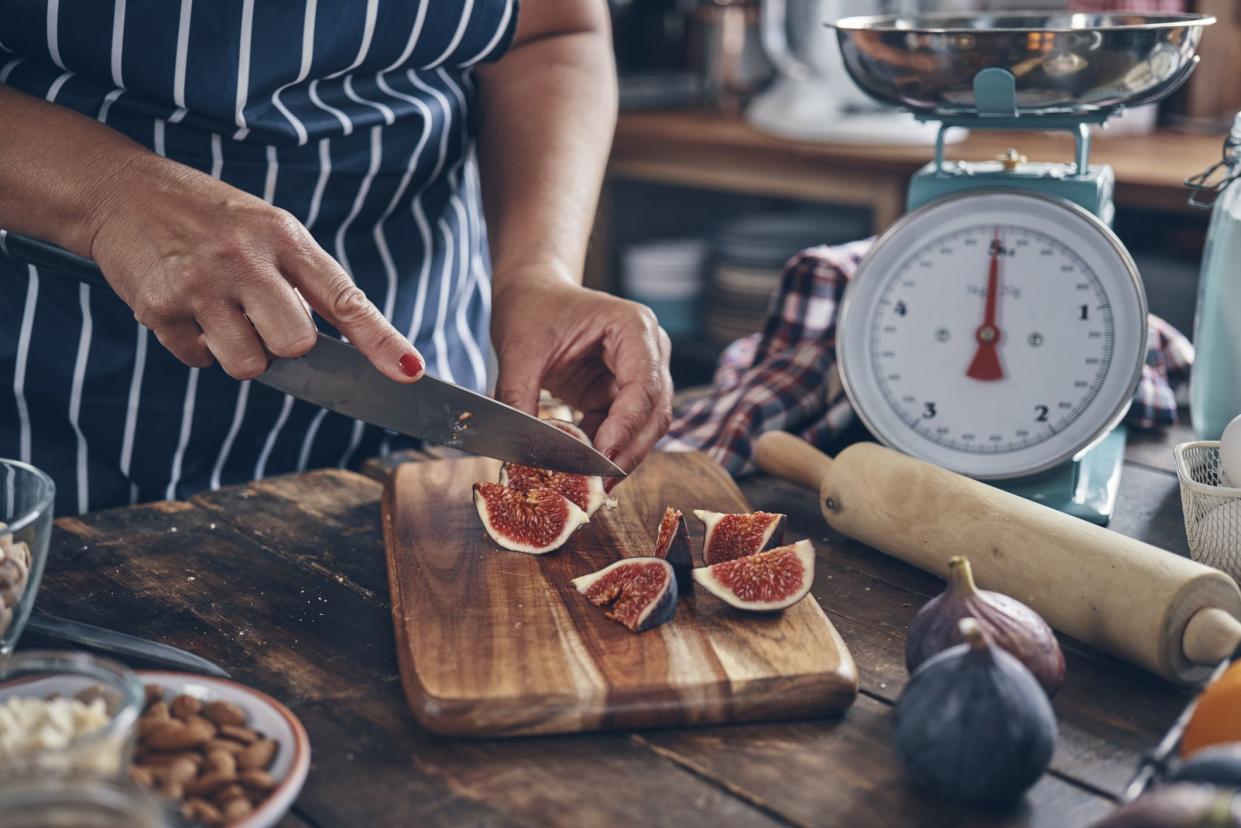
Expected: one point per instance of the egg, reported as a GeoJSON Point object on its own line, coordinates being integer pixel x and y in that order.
{"type": "Point", "coordinates": [1230, 453]}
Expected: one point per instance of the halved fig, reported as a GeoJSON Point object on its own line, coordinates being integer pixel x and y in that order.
{"type": "Point", "coordinates": [586, 491]}
{"type": "Point", "coordinates": [536, 521]}
{"type": "Point", "coordinates": [734, 536]}
{"type": "Point", "coordinates": [764, 581]}
{"type": "Point", "coordinates": [673, 546]}
{"type": "Point", "coordinates": [640, 593]}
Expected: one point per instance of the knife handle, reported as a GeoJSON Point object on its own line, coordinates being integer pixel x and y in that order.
{"type": "Point", "coordinates": [55, 259]}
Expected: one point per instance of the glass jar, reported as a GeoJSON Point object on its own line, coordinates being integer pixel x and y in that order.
{"type": "Point", "coordinates": [104, 750]}
{"type": "Point", "coordinates": [1215, 382]}
{"type": "Point", "coordinates": [78, 802]}
{"type": "Point", "coordinates": [26, 497]}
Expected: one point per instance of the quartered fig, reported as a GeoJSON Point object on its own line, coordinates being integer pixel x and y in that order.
{"type": "Point", "coordinates": [734, 536]}
{"type": "Point", "coordinates": [536, 521]}
{"type": "Point", "coordinates": [764, 581]}
{"type": "Point", "coordinates": [640, 593]}
{"type": "Point", "coordinates": [586, 491]}
{"type": "Point", "coordinates": [673, 546]}
{"type": "Point", "coordinates": [1010, 624]}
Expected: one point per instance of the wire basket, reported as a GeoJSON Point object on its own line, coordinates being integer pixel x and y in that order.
{"type": "Point", "coordinates": [1212, 507]}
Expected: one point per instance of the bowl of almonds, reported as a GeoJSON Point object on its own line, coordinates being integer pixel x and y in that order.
{"type": "Point", "coordinates": [222, 753]}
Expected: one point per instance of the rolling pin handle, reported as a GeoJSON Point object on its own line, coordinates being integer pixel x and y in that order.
{"type": "Point", "coordinates": [792, 458]}
{"type": "Point", "coordinates": [1211, 636]}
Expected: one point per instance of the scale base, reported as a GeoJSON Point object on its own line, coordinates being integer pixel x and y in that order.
{"type": "Point", "coordinates": [1085, 488]}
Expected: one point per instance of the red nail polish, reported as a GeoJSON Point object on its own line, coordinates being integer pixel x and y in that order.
{"type": "Point", "coordinates": [411, 365]}
{"type": "Point", "coordinates": [613, 453]}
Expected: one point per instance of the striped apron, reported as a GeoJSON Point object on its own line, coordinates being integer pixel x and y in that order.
{"type": "Point", "coordinates": [357, 116]}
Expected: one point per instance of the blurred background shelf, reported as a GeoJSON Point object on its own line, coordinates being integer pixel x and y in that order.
{"type": "Point", "coordinates": [699, 175]}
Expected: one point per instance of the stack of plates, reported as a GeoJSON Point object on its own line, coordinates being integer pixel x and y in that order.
{"type": "Point", "coordinates": [750, 254]}
{"type": "Point", "coordinates": [667, 277]}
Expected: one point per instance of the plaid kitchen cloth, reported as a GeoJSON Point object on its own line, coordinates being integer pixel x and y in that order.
{"type": "Point", "coordinates": [785, 377]}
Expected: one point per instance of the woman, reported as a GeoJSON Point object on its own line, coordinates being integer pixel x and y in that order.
{"type": "Point", "coordinates": [217, 159]}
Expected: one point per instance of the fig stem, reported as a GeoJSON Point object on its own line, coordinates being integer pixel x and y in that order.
{"type": "Point", "coordinates": [961, 576]}
{"type": "Point", "coordinates": [972, 632]}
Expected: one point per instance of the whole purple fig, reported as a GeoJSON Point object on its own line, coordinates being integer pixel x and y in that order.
{"type": "Point", "coordinates": [1008, 623]}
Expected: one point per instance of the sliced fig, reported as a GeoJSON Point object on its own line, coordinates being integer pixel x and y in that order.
{"type": "Point", "coordinates": [734, 536]}
{"type": "Point", "coordinates": [673, 546]}
{"type": "Point", "coordinates": [587, 491]}
{"type": "Point", "coordinates": [536, 521]}
{"type": "Point", "coordinates": [764, 581]}
{"type": "Point", "coordinates": [640, 593]}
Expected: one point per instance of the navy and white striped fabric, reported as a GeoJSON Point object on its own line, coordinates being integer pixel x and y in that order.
{"type": "Point", "coordinates": [357, 116]}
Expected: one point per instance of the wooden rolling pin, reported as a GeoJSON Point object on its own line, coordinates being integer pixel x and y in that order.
{"type": "Point", "coordinates": [1160, 611]}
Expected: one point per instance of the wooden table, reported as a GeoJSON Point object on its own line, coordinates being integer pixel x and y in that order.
{"type": "Point", "coordinates": [283, 582]}
{"type": "Point", "coordinates": [717, 152]}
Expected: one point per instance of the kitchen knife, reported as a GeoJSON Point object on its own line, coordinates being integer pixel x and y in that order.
{"type": "Point", "coordinates": [335, 375]}
{"type": "Point", "coordinates": [120, 644]}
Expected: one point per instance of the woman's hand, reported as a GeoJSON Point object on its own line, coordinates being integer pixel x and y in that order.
{"type": "Point", "coordinates": [606, 356]}
{"type": "Point", "coordinates": [215, 273]}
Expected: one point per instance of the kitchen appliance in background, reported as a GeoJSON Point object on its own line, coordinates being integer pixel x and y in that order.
{"type": "Point", "coordinates": [651, 39]}
{"type": "Point", "coordinates": [727, 49]}
{"type": "Point", "coordinates": [1215, 382]}
{"type": "Point", "coordinates": [750, 253]}
{"type": "Point", "coordinates": [667, 276]}
{"type": "Point", "coordinates": [812, 97]}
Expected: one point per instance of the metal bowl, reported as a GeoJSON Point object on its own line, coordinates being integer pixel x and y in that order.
{"type": "Point", "coordinates": [1063, 63]}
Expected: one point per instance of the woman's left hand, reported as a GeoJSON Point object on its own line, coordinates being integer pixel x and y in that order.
{"type": "Point", "coordinates": [603, 355]}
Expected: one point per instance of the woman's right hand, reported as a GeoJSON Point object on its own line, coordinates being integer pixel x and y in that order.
{"type": "Point", "coordinates": [215, 273]}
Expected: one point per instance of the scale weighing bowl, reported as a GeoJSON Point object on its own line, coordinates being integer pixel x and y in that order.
{"type": "Point", "coordinates": [1063, 64]}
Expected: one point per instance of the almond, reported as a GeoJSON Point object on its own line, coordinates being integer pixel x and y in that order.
{"type": "Point", "coordinates": [259, 780]}
{"type": "Point", "coordinates": [224, 713]}
{"type": "Point", "coordinates": [257, 755]}
{"type": "Point", "coordinates": [242, 734]}
{"type": "Point", "coordinates": [183, 707]}
{"type": "Point", "coordinates": [207, 784]}
{"type": "Point", "coordinates": [222, 762]}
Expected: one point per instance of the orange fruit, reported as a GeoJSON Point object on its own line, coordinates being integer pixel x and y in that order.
{"type": "Point", "coordinates": [1217, 716]}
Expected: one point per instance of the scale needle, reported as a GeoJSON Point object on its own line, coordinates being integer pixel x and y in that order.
{"type": "Point", "coordinates": [986, 363]}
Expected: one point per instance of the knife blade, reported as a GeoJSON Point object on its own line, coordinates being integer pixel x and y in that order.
{"type": "Point", "coordinates": [335, 375]}
{"type": "Point", "coordinates": [120, 644]}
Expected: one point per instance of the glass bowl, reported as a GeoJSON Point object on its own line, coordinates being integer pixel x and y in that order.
{"type": "Point", "coordinates": [78, 802]}
{"type": "Point", "coordinates": [104, 750]}
{"type": "Point", "coordinates": [26, 497]}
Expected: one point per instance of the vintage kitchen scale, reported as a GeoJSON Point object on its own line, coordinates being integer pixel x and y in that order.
{"type": "Point", "coordinates": [999, 328]}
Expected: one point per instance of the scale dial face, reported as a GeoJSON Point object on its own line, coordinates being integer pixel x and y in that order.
{"type": "Point", "coordinates": [995, 333]}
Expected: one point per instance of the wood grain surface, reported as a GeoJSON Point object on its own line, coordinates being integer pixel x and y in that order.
{"type": "Point", "coordinates": [500, 643]}
{"type": "Point", "coordinates": [283, 582]}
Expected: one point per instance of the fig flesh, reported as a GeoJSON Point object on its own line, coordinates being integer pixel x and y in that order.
{"type": "Point", "coordinates": [1009, 624]}
{"type": "Point", "coordinates": [639, 593]}
{"type": "Point", "coordinates": [764, 581]}
{"type": "Point", "coordinates": [673, 546]}
{"type": "Point", "coordinates": [730, 537]}
{"type": "Point", "coordinates": [586, 491]}
{"type": "Point", "coordinates": [535, 522]}
{"type": "Point", "coordinates": [973, 724]}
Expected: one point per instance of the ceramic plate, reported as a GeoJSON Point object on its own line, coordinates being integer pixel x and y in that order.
{"type": "Point", "coordinates": [266, 715]}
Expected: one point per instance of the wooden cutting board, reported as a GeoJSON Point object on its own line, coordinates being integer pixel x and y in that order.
{"type": "Point", "coordinates": [495, 643]}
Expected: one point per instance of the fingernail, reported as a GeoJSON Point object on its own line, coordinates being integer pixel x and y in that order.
{"type": "Point", "coordinates": [411, 365]}
{"type": "Point", "coordinates": [613, 453]}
